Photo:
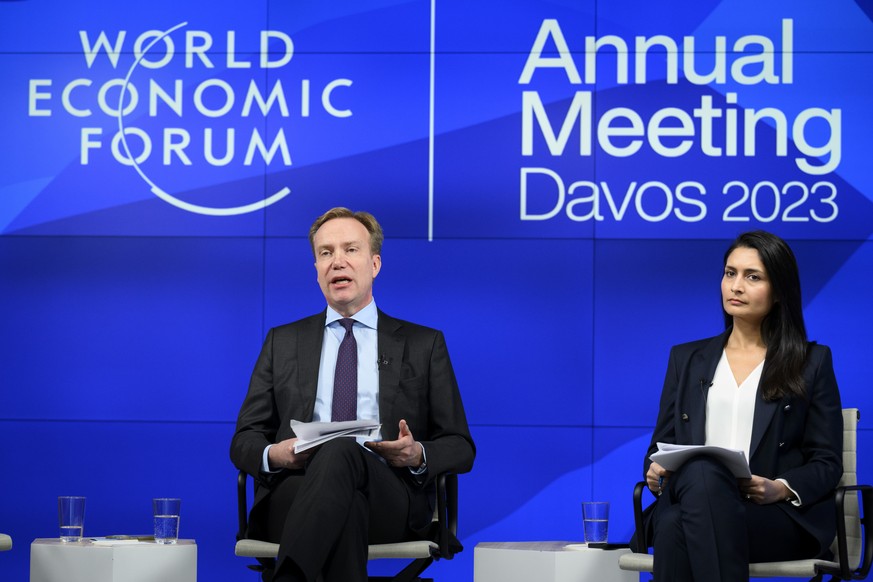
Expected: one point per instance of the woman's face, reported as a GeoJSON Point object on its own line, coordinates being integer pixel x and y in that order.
{"type": "Point", "coordinates": [745, 288]}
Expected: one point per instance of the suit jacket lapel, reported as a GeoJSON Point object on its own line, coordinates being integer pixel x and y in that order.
{"type": "Point", "coordinates": [308, 362]}
{"type": "Point", "coordinates": [764, 412]}
{"type": "Point", "coordinates": [391, 345]}
{"type": "Point", "coordinates": [702, 370]}
{"type": "Point", "coordinates": [701, 374]}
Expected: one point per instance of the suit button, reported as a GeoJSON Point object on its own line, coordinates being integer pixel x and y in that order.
{"type": "Point", "coordinates": [787, 408]}
{"type": "Point", "coordinates": [684, 417]}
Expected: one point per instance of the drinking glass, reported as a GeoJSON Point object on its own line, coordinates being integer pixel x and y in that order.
{"type": "Point", "coordinates": [71, 517]}
{"type": "Point", "coordinates": [595, 520]}
{"type": "Point", "coordinates": [166, 514]}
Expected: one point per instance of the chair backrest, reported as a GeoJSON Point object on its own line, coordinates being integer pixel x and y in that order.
{"type": "Point", "coordinates": [850, 477]}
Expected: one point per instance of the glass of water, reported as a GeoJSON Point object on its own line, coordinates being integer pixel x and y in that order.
{"type": "Point", "coordinates": [166, 514]}
{"type": "Point", "coordinates": [71, 518]}
{"type": "Point", "coordinates": [595, 521]}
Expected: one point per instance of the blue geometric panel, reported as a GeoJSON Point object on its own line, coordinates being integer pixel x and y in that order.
{"type": "Point", "coordinates": [557, 181]}
{"type": "Point", "coordinates": [127, 328]}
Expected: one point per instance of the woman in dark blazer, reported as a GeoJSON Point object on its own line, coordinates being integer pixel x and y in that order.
{"type": "Point", "coordinates": [763, 388]}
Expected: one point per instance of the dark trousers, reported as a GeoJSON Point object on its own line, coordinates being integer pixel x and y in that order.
{"type": "Point", "coordinates": [324, 517]}
{"type": "Point", "coordinates": [705, 531]}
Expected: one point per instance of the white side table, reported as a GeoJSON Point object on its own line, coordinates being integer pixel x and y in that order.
{"type": "Point", "coordinates": [54, 561]}
{"type": "Point", "coordinates": [547, 562]}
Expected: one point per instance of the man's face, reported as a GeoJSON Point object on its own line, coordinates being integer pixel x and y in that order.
{"type": "Point", "coordinates": [345, 266]}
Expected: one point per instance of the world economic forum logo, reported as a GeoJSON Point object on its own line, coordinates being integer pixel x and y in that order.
{"type": "Point", "coordinates": [206, 119]}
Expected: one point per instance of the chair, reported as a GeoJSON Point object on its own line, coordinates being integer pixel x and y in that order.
{"type": "Point", "coordinates": [421, 552]}
{"type": "Point", "coordinates": [853, 528]}
{"type": "Point", "coordinates": [5, 542]}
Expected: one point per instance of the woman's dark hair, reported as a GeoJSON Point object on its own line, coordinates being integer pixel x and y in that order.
{"type": "Point", "coordinates": [782, 330]}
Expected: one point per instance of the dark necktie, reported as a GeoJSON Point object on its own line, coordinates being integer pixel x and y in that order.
{"type": "Point", "coordinates": [345, 381]}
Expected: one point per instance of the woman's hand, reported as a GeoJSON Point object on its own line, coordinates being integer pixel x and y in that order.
{"type": "Point", "coordinates": [656, 478]}
{"type": "Point", "coordinates": [762, 491]}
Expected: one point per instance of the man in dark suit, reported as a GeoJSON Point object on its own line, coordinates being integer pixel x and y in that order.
{"type": "Point", "coordinates": [325, 505]}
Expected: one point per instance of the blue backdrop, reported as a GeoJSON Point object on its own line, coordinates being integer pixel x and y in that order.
{"type": "Point", "coordinates": [562, 176]}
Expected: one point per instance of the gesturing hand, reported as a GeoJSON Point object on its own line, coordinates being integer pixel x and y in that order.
{"type": "Point", "coordinates": [404, 452]}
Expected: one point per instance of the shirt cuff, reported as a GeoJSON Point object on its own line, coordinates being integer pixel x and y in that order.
{"type": "Point", "coordinates": [796, 501]}
{"type": "Point", "coordinates": [423, 467]}
{"type": "Point", "coordinates": [265, 460]}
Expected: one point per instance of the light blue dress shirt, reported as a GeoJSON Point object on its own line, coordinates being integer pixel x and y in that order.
{"type": "Point", "coordinates": [366, 337]}
{"type": "Point", "coordinates": [367, 340]}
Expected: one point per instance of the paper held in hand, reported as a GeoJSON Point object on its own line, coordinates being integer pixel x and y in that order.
{"type": "Point", "coordinates": [312, 434]}
{"type": "Point", "coordinates": [672, 456]}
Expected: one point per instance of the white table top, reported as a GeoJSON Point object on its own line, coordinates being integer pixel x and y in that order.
{"type": "Point", "coordinates": [108, 543]}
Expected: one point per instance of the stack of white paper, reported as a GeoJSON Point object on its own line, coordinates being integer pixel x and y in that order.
{"type": "Point", "coordinates": [312, 434]}
{"type": "Point", "coordinates": [672, 456]}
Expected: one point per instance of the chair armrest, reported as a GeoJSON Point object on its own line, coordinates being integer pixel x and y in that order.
{"type": "Point", "coordinates": [242, 510]}
{"type": "Point", "coordinates": [451, 481]}
{"type": "Point", "coordinates": [447, 513]}
{"type": "Point", "coordinates": [642, 543]}
{"type": "Point", "coordinates": [866, 529]}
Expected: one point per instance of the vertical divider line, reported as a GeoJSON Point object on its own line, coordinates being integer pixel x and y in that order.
{"type": "Point", "coordinates": [430, 129]}
{"type": "Point", "coordinates": [593, 479]}
{"type": "Point", "coordinates": [594, 246]}
{"type": "Point", "coordinates": [265, 233]}
{"type": "Point", "coordinates": [265, 210]}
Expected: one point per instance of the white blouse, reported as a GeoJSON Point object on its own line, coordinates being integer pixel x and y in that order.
{"type": "Point", "coordinates": [730, 409]}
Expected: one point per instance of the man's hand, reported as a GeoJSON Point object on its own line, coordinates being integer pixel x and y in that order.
{"type": "Point", "coordinates": [404, 452]}
{"type": "Point", "coordinates": [762, 491]}
{"type": "Point", "coordinates": [282, 456]}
